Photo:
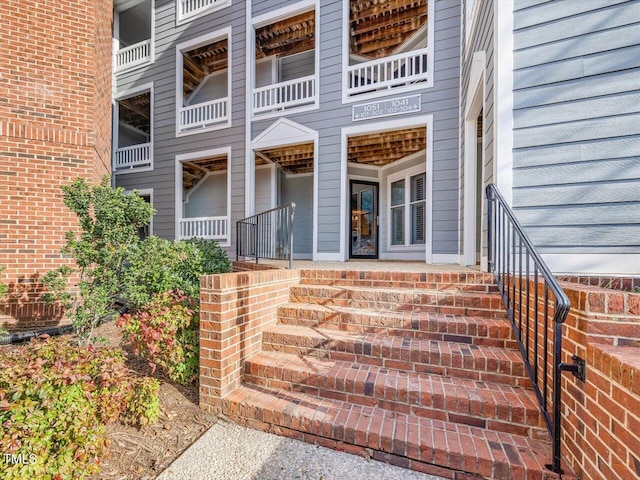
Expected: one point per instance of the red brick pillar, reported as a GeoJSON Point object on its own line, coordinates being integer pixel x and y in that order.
{"type": "Point", "coordinates": [234, 310]}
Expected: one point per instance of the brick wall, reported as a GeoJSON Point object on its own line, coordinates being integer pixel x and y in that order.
{"type": "Point", "coordinates": [55, 126]}
{"type": "Point", "coordinates": [234, 309]}
{"type": "Point", "coordinates": [238, 266]}
{"type": "Point", "coordinates": [601, 417]}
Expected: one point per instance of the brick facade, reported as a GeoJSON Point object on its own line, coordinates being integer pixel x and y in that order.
{"type": "Point", "coordinates": [601, 420]}
{"type": "Point", "coordinates": [55, 126]}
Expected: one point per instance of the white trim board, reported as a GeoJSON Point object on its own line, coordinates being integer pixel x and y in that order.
{"type": "Point", "coordinates": [282, 133]}
{"type": "Point", "coordinates": [142, 192]}
{"type": "Point", "coordinates": [396, 124]}
{"type": "Point", "coordinates": [429, 83]}
{"type": "Point", "coordinates": [476, 94]}
{"type": "Point", "coordinates": [503, 98]}
{"type": "Point", "coordinates": [593, 263]}
{"type": "Point", "coordinates": [122, 95]}
{"type": "Point", "coordinates": [267, 19]}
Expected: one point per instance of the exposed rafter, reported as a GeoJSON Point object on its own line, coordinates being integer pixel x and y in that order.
{"type": "Point", "coordinates": [292, 159]}
{"type": "Point", "coordinates": [378, 27]}
{"type": "Point", "coordinates": [383, 148]}
{"type": "Point", "coordinates": [286, 37]}
{"type": "Point", "coordinates": [202, 61]}
{"type": "Point", "coordinates": [136, 111]}
{"type": "Point", "coordinates": [193, 171]}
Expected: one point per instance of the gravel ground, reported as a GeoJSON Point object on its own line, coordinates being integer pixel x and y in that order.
{"type": "Point", "coordinates": [230, 452]}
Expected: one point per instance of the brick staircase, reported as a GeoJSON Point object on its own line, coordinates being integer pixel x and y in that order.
{"type": "Point", "coordinates": [416, 369]}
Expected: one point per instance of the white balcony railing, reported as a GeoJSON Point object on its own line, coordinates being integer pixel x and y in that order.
{"type": "Point", "coordinates": [133, 55]}
{"type": "Point", "coordinates": [205, 114]}
{"type": "Point", "coordinates": [135, 156]}
{"type": "Point", "coordinates": [285, 95]}
{"type": "Point", "coordinates": [209, 228]}
{"type": "Point", "coordinates": [389, 72]}
{"type": "Point", "coordinates": [191, 8]}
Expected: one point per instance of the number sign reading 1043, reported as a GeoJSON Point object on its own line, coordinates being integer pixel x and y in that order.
{"type": "Point", "coordinates": [385, 108]}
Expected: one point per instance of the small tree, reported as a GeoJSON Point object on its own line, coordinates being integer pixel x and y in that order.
{"type": "Point", "coordinates": [109, 221]}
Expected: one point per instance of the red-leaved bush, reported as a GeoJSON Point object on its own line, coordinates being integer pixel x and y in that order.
{"type": "Point", "coordinates": [165, 332]}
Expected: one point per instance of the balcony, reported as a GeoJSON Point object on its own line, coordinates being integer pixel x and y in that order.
{"type": "Point", "coordinates": [188, 9]}
{"type": "Point", "coordinates": [132, 157]}
{"type": "Point", "coordinates": [208, 228]}
{"type": "Point", "coordinates": [389, 72]}
{"type": "Point", "coordinates": [132, 56]}
{"type": "Point", "coordinates": [204, 115]}
{"type": "Point", "coordinates": [285, 95]}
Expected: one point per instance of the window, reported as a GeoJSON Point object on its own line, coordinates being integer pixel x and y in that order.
{"type": "Point", "coordinates": [407, 205]}
{"type": "Point", "coordinates": [397, 212]}
{"type": "Point", "coordinates": [133, 132]}
{"type": "Point", "coordinates": [285, 67]}
{"type": "Point", "coordinates": [204, 83]}
{"type": "Point", "coordinates": [133, 31]}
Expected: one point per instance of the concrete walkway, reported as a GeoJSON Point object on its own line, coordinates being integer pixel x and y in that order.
{"type": "Point", "coordinates": [230, 452]}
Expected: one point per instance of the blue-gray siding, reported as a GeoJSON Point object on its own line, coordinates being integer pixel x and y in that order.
{"type": "Point", "coordinates": [576, 170]}
{"type": "Point", "coordinates": [442, 101]}
{"type": "Point", "coordinates": [166, 146]}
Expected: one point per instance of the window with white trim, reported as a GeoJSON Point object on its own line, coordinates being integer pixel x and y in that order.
{"type": "Point", "coordinates": [407, 208]}
{"type": "Point", "coordinates": [133, 131]}
{"type": "Point", "coordinates": [133, 34]}
{"type": "Point", "coordinates": [285, 69]}
{"type": "Point", "coordinates": [203, 83]}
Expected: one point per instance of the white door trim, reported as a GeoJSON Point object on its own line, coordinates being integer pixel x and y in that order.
{"type": "Point", "coordinates": [476, 93]}
{"type": "Point", "coordinates": [284, 133]}
{"type": "Point", "coordinates": [398, 124]}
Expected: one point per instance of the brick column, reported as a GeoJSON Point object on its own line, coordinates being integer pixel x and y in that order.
{"type": "Point", "coordinates": [234, 309]}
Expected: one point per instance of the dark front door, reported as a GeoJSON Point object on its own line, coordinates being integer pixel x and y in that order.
{"type": "Point", "coordinates": [364, 219]}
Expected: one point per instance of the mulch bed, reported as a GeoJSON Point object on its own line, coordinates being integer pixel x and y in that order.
{"type": "Point", "coordinates": [142, 454]}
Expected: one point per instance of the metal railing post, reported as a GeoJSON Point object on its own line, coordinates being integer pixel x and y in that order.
{"type": "Point", "coordinates": [505, 262]}
{"type": "Point", "coordinates": [272, 230]}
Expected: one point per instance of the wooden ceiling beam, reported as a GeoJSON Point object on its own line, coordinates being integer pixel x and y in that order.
{"type": "Point", "coordinates": [362, 11]}
{"type": "Point", "coordinates": [409, 15]}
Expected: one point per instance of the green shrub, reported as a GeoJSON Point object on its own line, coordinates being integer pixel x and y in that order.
{"type": "Point", "coordinates": [214, 258]}
{"type": "Point", "coordinates": [156, 265]}
{"type": "Point", "coordinates": [109, 221]}
{"type": "Point", "coordinates": [165, 332]}
{"type": "Point", "coordinates": [55, 399]}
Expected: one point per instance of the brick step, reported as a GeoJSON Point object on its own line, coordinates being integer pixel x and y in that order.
{"type": "Point", "coordinates": [479, 404]}
{"type": "Point", "coordinates": [402, 300]}
{"type": "Point", "coordinates": [450, 359]}
{"type": "Point", "coordinates": [463, 281]}
{"type": "Point", "coordinates": [419, 443]}
{"type": "Point", "coordinates": [494, 332]}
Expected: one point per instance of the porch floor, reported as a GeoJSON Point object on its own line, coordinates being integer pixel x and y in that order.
{"type": "Point", "coordinates": [374, 265]}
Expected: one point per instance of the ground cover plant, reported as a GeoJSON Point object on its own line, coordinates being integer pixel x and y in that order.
{"type": "Point", "coordinates": [56, 399]}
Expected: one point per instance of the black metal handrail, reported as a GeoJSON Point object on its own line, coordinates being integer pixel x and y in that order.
{"type": "Point", "coordinates": [520, 272]}
{"type": "Point", "coordinates": [267, 235]}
